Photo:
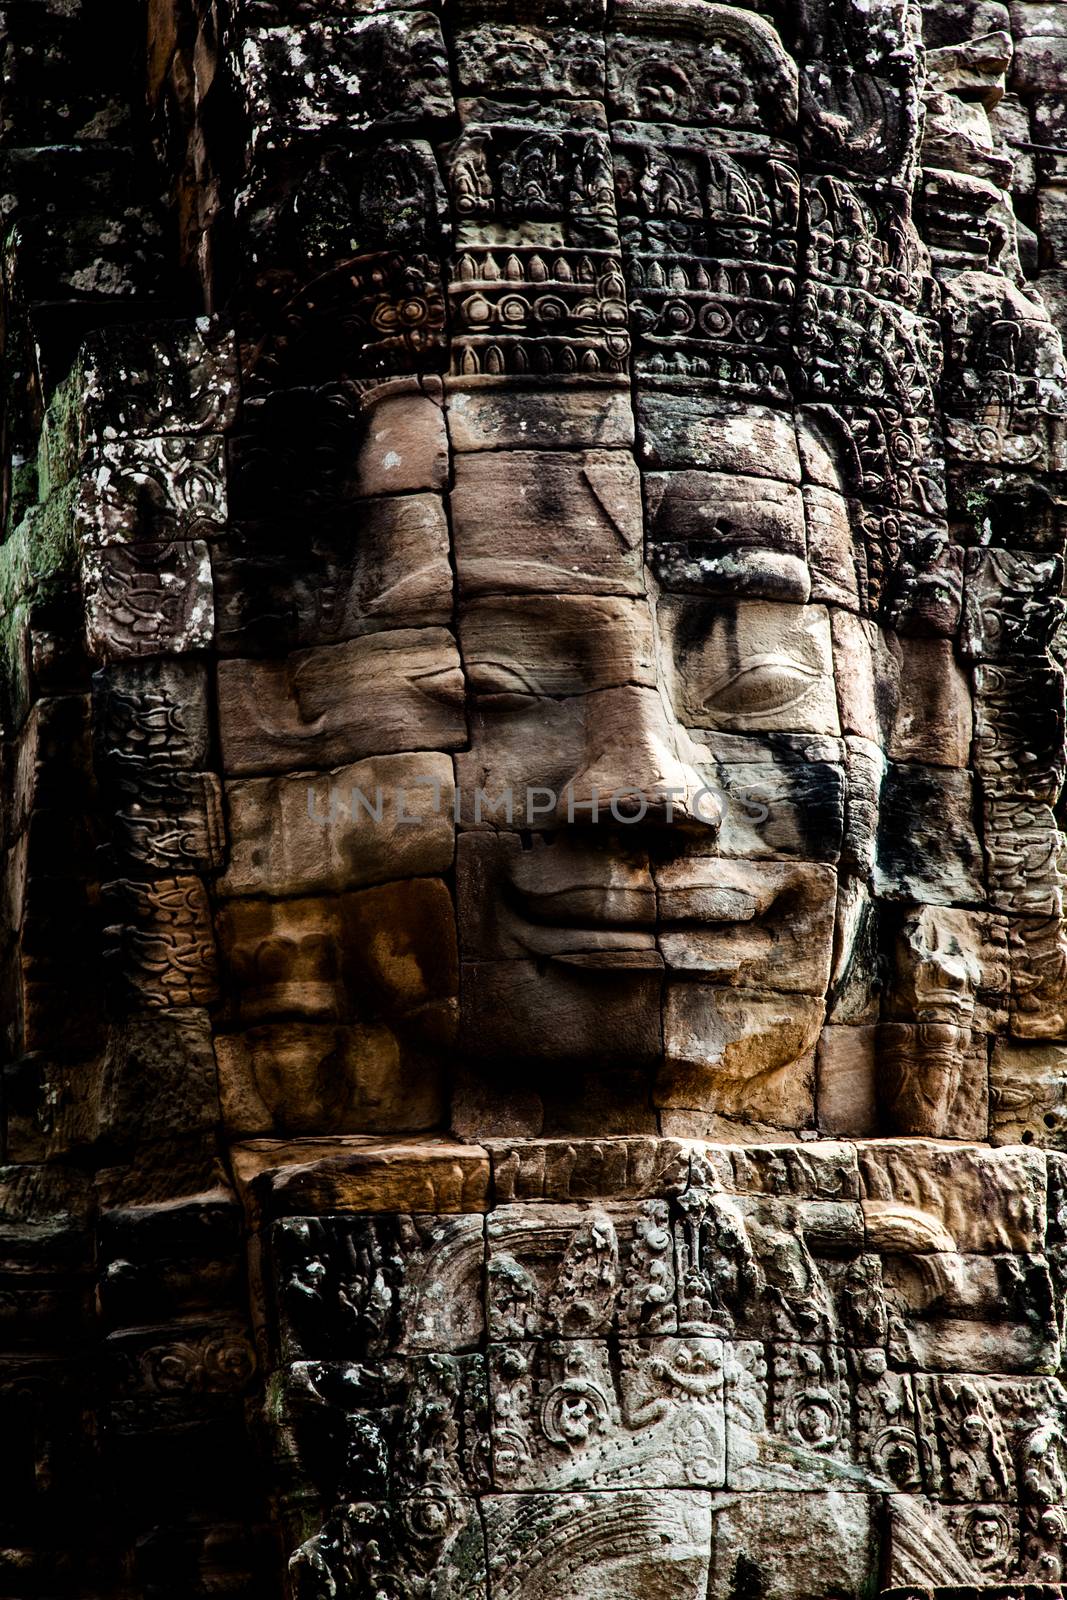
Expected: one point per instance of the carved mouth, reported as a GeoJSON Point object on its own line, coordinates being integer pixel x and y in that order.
{"type": "Point", "coordinates": [552, 887]}
{"type": "Point", "coordinates": [592, 910]}
{"type": "Point", "coordinates": [588, 924]}
{"type": "Point", "coordinates": [590, 906]}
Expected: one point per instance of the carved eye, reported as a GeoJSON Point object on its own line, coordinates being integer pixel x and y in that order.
{"type": "Point", "coordinates": [762, 686]}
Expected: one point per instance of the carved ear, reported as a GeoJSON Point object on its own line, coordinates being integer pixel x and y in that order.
{"type": "Point", "coordinates": [828, 452]}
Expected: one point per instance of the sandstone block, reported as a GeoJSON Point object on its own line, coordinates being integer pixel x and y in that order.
{"type": "Point", "coordinates": [535, 762]}
{"type": "Point", "coordinates": [581, 1169]}
{"type": "Point", "coordinates": [819, 448]}
{"type": "Point", "coordinates": [927, 847]}
{"type": "Point", "coordinates": [559, 523]}
{"type": "Point", "coordinates": [574, 1423]}
{"type": "Point", "coordinates": [1028, 1094]}
{"type": "Point", "coordinates": [867, 672]}
{"type": "Point", "coordinates": [1037, 17]}
{"type": "Point", "coordinates": [293, 1078]}
{"type": "Point", "coordinates": [750, 665]}
{"type": "Point", "coordinates": [534, 1250]}
{"type": "Point", "coordinates": [171, 1258]}
{"type": "Point", "coordinates": [955, 1197]}
{"type": "Point", "coordinates": [533, 58]}
{"type": "Point", "coordinates": [1009, 122]}
{"type": "Point", "coordinates": [830, 553]}
{"type": "Point", "coordinates": [378, 953]}
{"type": "Point", "coordinates": [405, 447]}
{"type": "Point", "coordinates": [972, 1314]}
{"type": "Point", "coordinates": [929, 1540]}
{"type": "Point", "coordinates": [150, 715]}
{"type": "Point", "coordinates": [975, 68]}
{"type": "Point", "coordinates": [1052, 203]}
{"type": "Point", "coordinates": [147, 1361]}
{"type": "Point", "coordinates": [1048, 117]}
{"type": "Point", "coordinates": [686, 431]}
{"type": "Point", "coordinates": [933, 1079]}
{"type": "Point", "coordinates": [390, 1286]}
{"type": "Point", "coordinates": [782, 800]}
{"type": "Point", "coordinates": [934, 715]}
{"type": "Point", "coordinates": [555, 644]}
{"type": "Point", "coordinates": [395, 1533]}
{"type": "Point", "coordinates": [845, 1081]}
{"type": "Point", "coordinates": [1038, 958]}
{"type": "Point", "coordinates": [143, 489]}
{"type": "Point", "coordinates": [656, 1544]}
{"type": "Point", "coordinates": [380, 1417]}
{"type": "Point", "coordinates": [160, 941]}
{"type": "Point", "coordinates": [386, 817]}
{"type": "Point", "coordinates": [726, 534]}
{"type": "Point", "coordinates": [603, 1013]}
{"type": "Point", "coordinates": [965, 19]}
{"type": "Point", "coordinates": [1040, 57]}
{"type": "Point", "coordinates": [158, 378]}
{"type": "Point", "coordinates": [796, 1435]}
{"type": "Point", "coordinates": [832, 1540]}
{"type": "Point", "coordinates": [547, 900]}
{"type": "Point", "coordinates": [148, 599]}
{"type": "Point", "coordinates": [574, 419]}
{"type": "Point", "coordinates": [380, 694]}
{"type": "Point", "coordinates": [277, 1177]}
{"type": "Point", "coordinates": [578, 1102]}
{"type": "Point", "coordinates": [865, 770]}
{"type": "Point", "coordinates": [999, 1451]}
{"type": "Point", "coordinates": [760, 925]}
{"type": "Point", "coordinates": [386, 566]}
{"type": "Point", "coordinates": [950, 966]}
{"type": "Point", "coordinates": [748, 1054]}
{"type": "Point", "coordinates": [819, 1170]}
{"type": "Point", "coordinates": [158, 1078]}
{"type": "Point", "coordinates": [855, 980]}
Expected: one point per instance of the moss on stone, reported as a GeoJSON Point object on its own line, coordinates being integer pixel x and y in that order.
{"type": "Point", "coordinates": [36, 564]}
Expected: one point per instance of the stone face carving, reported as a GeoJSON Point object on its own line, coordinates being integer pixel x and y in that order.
{"type": "Point", "coordinates": [533, 747]}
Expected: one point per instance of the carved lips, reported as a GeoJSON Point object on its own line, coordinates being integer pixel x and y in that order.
{"type": "Point", "coordinates": [564, 902]}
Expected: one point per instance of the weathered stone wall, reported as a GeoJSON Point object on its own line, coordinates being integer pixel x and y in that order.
{"type": "Point", "coordinates": [535, 996]}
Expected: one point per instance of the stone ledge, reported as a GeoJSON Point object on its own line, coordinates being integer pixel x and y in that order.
{"type": "Point", "coordinates": [287, 1177]}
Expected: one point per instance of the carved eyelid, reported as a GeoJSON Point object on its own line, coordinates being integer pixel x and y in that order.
{"type": "Point", "coordinates": [797, 677]}
{"type": "Point", "coordinates": [754, 663]}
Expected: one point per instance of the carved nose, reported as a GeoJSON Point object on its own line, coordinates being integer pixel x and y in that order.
{"type": "Point", "coordinates": [634, 771]}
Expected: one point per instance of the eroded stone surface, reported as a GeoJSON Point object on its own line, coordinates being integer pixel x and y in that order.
{"type": "Point", "coordinates": [569, 654]}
